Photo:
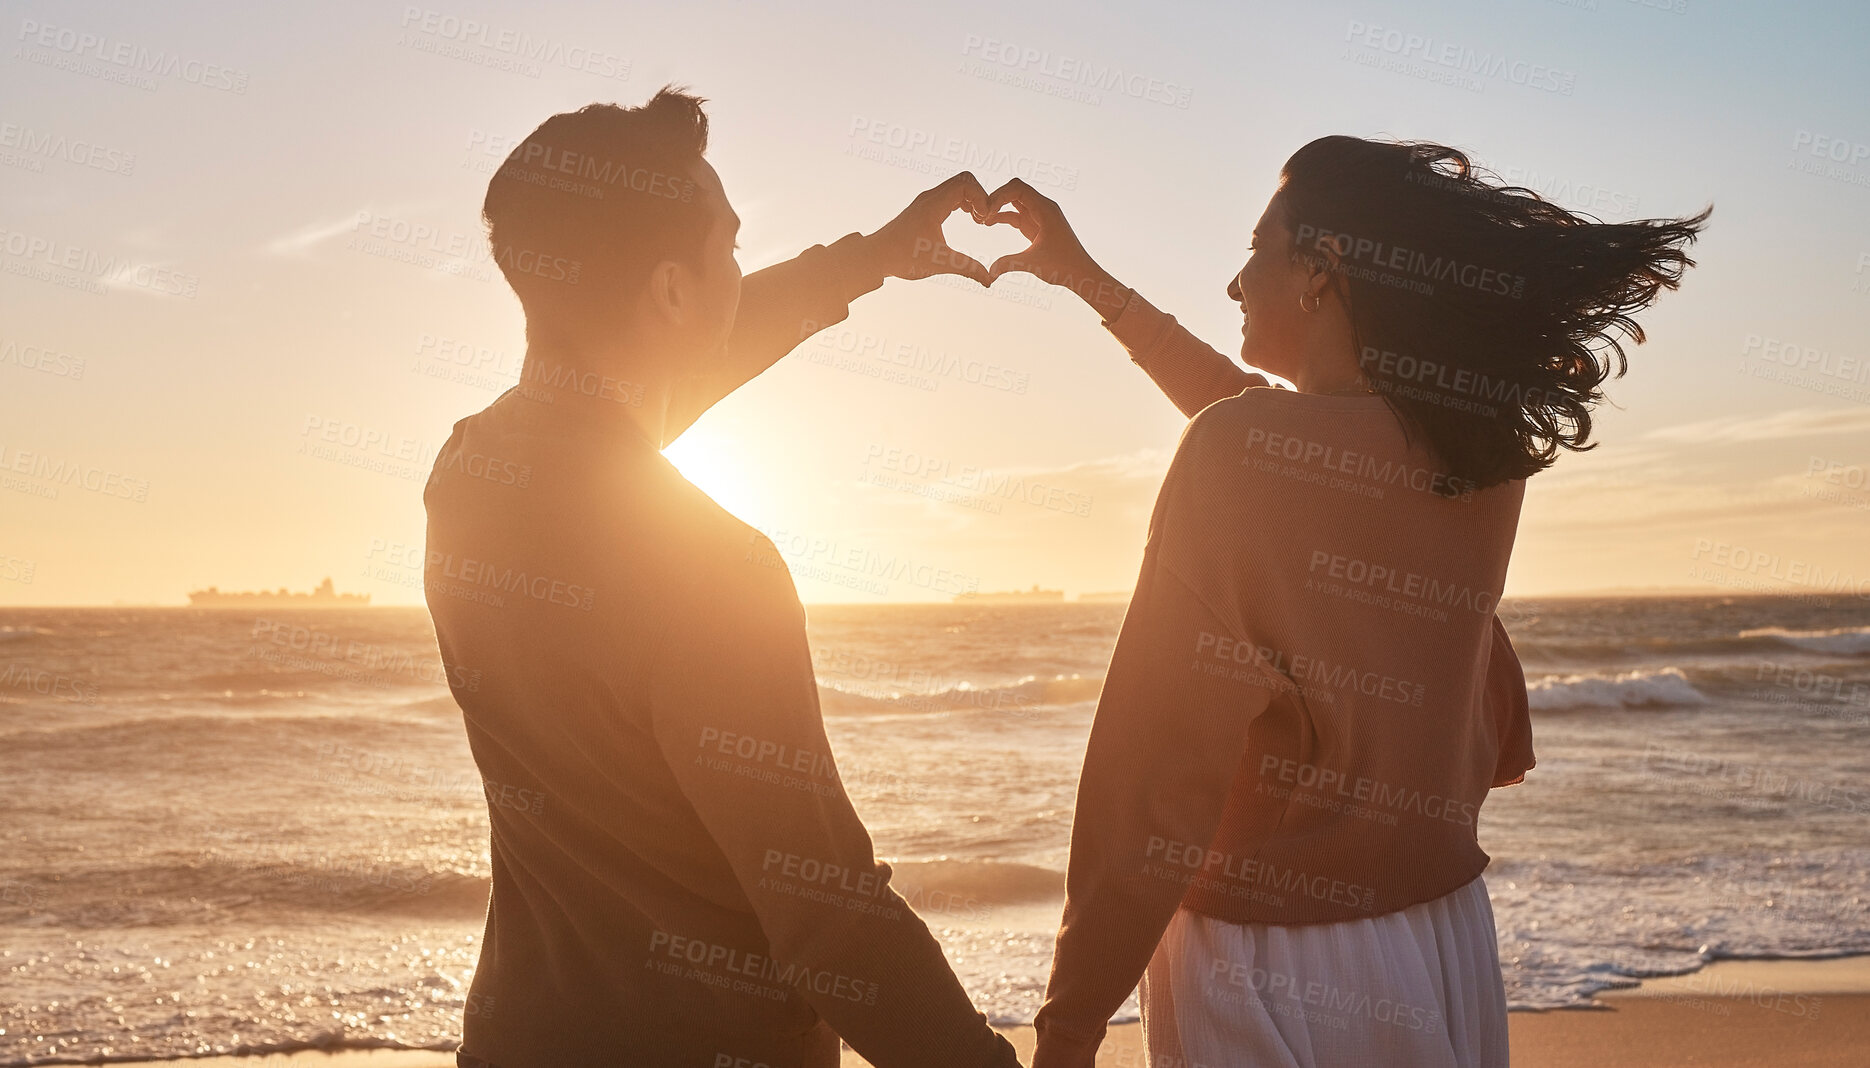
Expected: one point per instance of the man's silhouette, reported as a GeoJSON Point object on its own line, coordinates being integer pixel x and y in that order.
{"type": "Point", "coordinates": [678, 876]}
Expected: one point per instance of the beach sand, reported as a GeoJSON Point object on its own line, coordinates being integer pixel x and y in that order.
{"type": "Point", "coordinates": [1734, 1014]}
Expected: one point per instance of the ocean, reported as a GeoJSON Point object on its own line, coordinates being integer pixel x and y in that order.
{"type": "Point", "coordinates": [248, 831]}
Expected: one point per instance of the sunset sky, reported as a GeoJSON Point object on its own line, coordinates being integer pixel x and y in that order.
{"type": "Point", "coordinates": [201, 310]}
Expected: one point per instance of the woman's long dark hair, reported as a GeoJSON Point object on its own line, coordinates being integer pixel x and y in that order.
{"type": "Point", "coordinates": [1487, 316]}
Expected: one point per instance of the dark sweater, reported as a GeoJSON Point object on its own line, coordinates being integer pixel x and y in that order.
{"type": "Point", "coordinates": [678, 875]}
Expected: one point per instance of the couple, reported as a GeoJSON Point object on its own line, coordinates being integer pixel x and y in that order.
{"type": "Point", "coordinates": [1309, 699]}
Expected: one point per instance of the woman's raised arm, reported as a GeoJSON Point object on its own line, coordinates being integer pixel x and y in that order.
{"type": "Point", "coordinates": [1190, 372]}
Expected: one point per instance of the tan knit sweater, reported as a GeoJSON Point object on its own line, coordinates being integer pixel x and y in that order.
{"type": "Point", "coordinates": [1311, 694]}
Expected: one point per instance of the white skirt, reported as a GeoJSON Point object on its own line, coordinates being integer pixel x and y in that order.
{"type": "Point", "coordinates": [1411, 989]}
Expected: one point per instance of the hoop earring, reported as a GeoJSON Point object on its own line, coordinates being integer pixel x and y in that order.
{"type": "Point", "coordinates": [1317, 302]}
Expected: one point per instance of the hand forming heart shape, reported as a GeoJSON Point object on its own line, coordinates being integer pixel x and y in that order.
{"type": "Point", "coordinates": [920, 241]}
{"type": "Point", "coordinates": [985, 242]}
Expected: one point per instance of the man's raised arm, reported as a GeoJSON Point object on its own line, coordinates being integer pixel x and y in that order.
{"type": "Point", "coordinates": [788, 302]}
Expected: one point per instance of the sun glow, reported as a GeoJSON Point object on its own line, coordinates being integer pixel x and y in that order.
{"type": "Point", "coordinates": [720, 466]}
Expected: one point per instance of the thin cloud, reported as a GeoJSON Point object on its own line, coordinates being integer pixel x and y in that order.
{"type": "Point", "coordinates": [1779, 426]}
{"type": "Point", "coordinates": [299, 243]}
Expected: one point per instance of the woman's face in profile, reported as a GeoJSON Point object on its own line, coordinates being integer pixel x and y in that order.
{"type": "Point", "coordinates": [1267, 290]}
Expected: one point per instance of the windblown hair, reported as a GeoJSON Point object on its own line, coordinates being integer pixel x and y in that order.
{"type": "Point", "coordinates": [593, 199]}
{"type": "Point", "coordinates": [1488, 317]}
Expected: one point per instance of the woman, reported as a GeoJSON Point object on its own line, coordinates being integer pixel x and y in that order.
{"type": "Point", "coordinates": [1311, 694]}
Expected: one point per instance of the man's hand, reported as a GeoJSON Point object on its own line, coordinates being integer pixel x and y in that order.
{"type": "Point", "coordinates": [912, 246]}
{"type": "Point", "coordinates": [1056, 255]}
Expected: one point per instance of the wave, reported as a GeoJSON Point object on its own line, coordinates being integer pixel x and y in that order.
{"type": "Point", "coordinates": [1025, 697]}
{"type": "Point", "coordinates": [1838, 641]}
{"type": "Point", "coordinates": [926, 884]}
{"type": "Point", "coordinates": [212, 889]}
{"type": "Point", "coordinates": [150, 736]}
{"type": "Point", "coordinates": [332, 1041]}
{"type": "Point", "coordinates": [1666, 688]}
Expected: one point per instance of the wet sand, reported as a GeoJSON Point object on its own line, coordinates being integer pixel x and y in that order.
{"type": "Point", "coordinates": [1735, 1014]}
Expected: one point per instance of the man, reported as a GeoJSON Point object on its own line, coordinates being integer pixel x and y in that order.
{"type": "Point", "coordinates": [678, 876]}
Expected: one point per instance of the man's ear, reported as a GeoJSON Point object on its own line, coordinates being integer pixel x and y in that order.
{"type": "Point", "coordinates": [668, 294]}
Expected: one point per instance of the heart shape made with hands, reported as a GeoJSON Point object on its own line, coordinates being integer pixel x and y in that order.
{"type": "Point", "coordinates": [984, 242]}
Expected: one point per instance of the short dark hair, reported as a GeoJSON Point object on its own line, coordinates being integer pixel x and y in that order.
{"type": "Point", "coordinates": [595, 198]}
{"type": "Point", "coordinates": [1487, 316]}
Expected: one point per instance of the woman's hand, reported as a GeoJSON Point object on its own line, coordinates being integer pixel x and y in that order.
{"type": "Point", "coordinates": [1056, 255]}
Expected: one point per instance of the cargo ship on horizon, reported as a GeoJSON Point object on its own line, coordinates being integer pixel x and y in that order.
{"type": "Point", "coordinates": [325, 596]}
{"type": "Point", "coordinates": [1032, 596]}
